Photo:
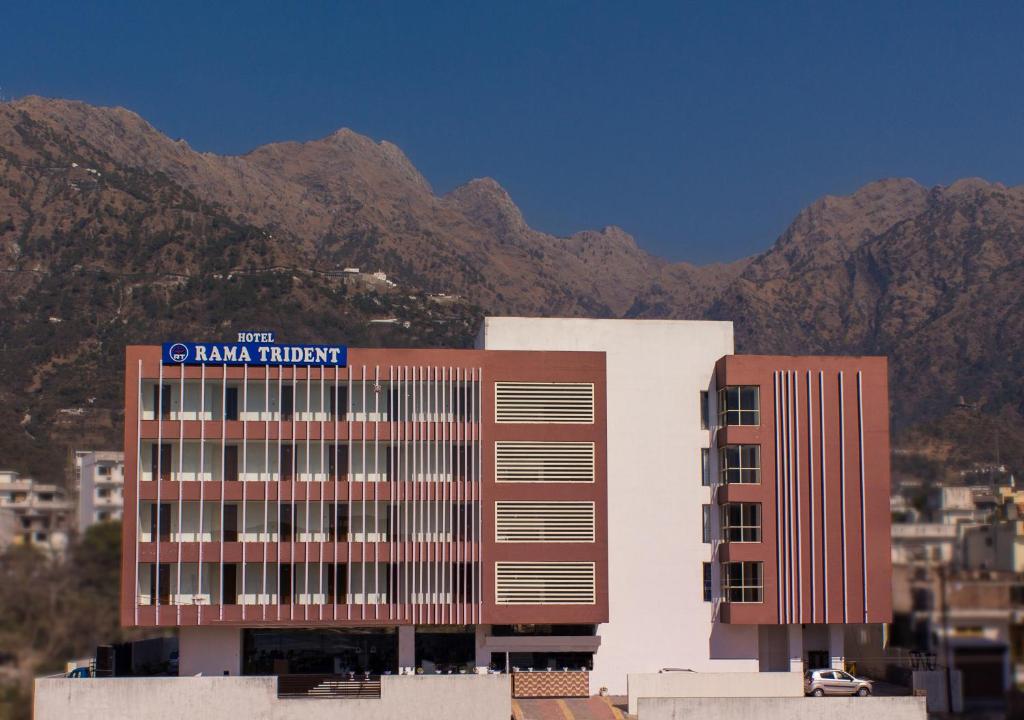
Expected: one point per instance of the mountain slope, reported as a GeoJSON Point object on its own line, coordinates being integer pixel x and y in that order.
{"type": "Point", "coordinates": [110, 232]}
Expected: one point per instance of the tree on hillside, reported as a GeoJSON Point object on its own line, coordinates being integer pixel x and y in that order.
{"type": "Point", "coordinates": [56, 609]}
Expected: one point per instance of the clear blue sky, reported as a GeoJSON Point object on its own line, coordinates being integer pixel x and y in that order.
{"type": "Point", "coordinates": [700, 128]}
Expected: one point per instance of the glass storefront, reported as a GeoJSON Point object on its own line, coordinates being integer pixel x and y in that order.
{"type": "Point", "coordinates": [275, 651]}
{"type": "Point", "coordinates": [445, 649]}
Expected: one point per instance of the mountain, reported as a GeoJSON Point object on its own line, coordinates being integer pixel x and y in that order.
{"type": "Point", "coordinates": [111, 232]}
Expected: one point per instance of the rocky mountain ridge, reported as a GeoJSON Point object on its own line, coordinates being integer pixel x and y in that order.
{"type": "Point", "coordinates": [111, 232]}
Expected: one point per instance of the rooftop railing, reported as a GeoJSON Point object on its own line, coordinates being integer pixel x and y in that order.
{"type": "Point", "coordinates": [328, 686]}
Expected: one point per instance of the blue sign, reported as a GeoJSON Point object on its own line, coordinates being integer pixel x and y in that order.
{"type": "Point", "coordinates": [254, 353]}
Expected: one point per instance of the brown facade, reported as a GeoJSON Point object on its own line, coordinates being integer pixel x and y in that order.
{"type": "Point", "coordinates": [468, 561]}
{"type": "Point", "coordinates": [824, 489]}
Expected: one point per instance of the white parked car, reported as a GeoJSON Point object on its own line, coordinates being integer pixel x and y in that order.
{"type": "Point", "coordinates": [828, 681]}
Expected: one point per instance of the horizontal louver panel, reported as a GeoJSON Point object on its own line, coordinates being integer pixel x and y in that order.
{"type": "Point", "coordinates": [562, 403]}
{"type": "Point", "coordinates": [544, 583]}
{"type": "Point", "coordinates": [531, 521]}
{"type": "Point", "coordinates": [530, 461]}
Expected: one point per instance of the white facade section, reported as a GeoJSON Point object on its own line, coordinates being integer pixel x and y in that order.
{"type": "Point", "coordinates": [100, 486]}
{"type": "Point", "coordinates": [211, 651]}
{"type": "Point", "coordinates": [656, 370]}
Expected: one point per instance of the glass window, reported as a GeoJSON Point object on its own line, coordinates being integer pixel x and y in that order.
{"type": "Point", "coordinates": [742, 582]}
{"type": "Point", "coordinates": [707, 582]}
{"type": "Point", "coordinates": [740, 464]}
{"type": "Point", "coordinates": [336, 650]}
{"type": "Point", "coordinates": [705, 466]}
{"type": "Point", "coordinates": [706, 522]}
{"type": "Point", "coordinates": [741, 522]}
{"type": "Point", "coordinates": [705, 414]}
{"type": "Point", "coordinates": [739, 405]}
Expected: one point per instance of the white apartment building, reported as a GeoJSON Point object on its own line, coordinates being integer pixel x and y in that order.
{"type": "Point", "coordinates": [42, 511]}
{"type": "Point", "coordinates": [100, 475]}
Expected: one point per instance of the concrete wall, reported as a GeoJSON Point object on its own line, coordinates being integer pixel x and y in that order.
{"type": "Point", "coordinates": [834, 708]}
{"type": "Point", "coordinates": [452, 697]}
{"type": "Point", "coordinates": [713, 685]}
{"type": "Point", "coordinates": [933, 684]}
{"type": "Point", "coordinates": [210, 651]}
{"type": "Point", "coordinates": [656, 370]}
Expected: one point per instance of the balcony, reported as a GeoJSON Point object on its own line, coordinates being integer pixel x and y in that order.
{"type": "Point", "coordinates": [274, 461]}
{"type": "Point", "coordinates": [312, 521]}
{"type": "Point", "coordinates": [298, 401]}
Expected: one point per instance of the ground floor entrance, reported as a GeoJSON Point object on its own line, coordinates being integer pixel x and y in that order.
{"type": "Point", "coordinates": [338, 651]}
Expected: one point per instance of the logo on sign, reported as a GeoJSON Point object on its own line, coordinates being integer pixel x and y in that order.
{"type": "Point", "coordinates": [178, 353]}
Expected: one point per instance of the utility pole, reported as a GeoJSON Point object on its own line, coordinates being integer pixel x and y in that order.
{"type": "Point", "coordinates": [944, 610]}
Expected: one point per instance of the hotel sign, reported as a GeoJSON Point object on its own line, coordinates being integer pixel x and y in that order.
{"type": "Point", "coordinates": [254, 348]}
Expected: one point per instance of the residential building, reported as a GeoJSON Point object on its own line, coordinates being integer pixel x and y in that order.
{"type": "Point", "coordinates": [998, 545]}
{"type": "Point", "coordinates": [41, 510]}
{"type": "Point", "coordinates": [618, 496]}
{"type": "Point", "coordinates": [958, 505]}
{"type": "Point", "coordinates": [100, 486]}
{"type": "Point", "coordinates": [972, 622]}
{"type": "Point", "coordinates": [924, 545]}
{"type": "Point", "coordinates": [8, 528]}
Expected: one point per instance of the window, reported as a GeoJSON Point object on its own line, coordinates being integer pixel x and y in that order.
{"type": "Point", "coordinates": [705, 414]}
{"type": "Point", "coordinates": [740, 464]}
{"type": "Point", "coordinates": [742, 582]}
{"type": "Point", "coordinates": [705, 466]}
{"type": "Point", "coordinates": [707, 582]}
{"type": "Point", "coordinates": [739, 405]}
{"type": "Point", "coordinates": [741, 522]}
{"type": "Point", "coordinates": [706, 523]}
{"type": "Point", "coordinates": [103, 469]}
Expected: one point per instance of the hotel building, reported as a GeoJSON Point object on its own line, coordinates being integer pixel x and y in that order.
{"type": "Point", "coordinates": [612, 495]}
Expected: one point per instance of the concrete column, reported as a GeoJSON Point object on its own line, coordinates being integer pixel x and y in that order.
{"type": "Point", "coordinates": [796, 648]}
{"type": "Point", "coordinates": [209, 651]}
{"type": "Point", "coordinates": [836, 646]}
{"type": "Point", "coordinates": [483, 656]}
{"type": "Point", "coordinates": [406, 649]}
